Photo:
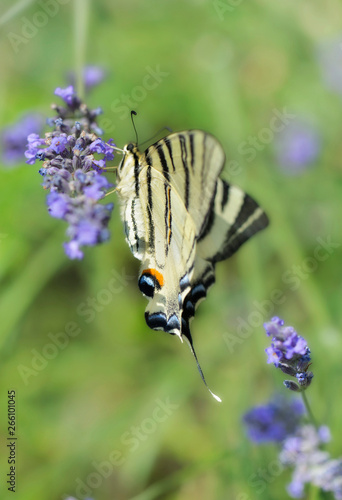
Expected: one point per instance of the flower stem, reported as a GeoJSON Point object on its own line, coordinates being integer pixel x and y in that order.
{"type": "Point", "coordinates": [308, 409]}
{"type": "Point", "coordinates": [81, 10]}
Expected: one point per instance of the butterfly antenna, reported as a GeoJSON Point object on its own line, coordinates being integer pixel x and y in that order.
{"type": "Point", "coordinates": [157, 133]}
{"type": "Point", "coordinates": [135, 130]}
{"type": "Point", "coordinates": [189, 341]}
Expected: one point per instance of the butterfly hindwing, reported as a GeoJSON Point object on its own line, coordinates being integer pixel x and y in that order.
{"type": "Point", "coordinates": [169, 251]}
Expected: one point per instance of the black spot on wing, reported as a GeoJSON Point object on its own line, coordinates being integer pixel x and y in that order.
{"type": "Point", "coordinates": [158, 321]}
{"type": "Point", "coordinates": [148, 284]}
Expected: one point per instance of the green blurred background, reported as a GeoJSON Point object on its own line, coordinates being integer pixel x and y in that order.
{"type": "Point", "coordinates": [228, 67]}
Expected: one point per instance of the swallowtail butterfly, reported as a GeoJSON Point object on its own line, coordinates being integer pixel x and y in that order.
{"type": "Point", "coordinates": [181, 219]}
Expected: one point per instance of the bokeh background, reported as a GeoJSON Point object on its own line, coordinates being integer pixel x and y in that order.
{"type": "Point", "coordinates": [230, 68]}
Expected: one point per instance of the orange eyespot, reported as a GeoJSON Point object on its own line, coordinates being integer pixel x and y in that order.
{"type": "Point", "coordinates": [158, 276]}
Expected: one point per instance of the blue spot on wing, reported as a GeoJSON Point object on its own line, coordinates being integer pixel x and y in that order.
{"type": "Point", "coordinates": [158, 321]}
{"type": "Point", "coordinates": [147, 285]}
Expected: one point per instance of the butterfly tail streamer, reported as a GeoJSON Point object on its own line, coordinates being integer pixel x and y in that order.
{"type": "Point", "coordinates": [189, 341]}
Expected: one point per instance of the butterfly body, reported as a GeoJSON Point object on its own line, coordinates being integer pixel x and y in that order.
{"type": "Point", "coordinates": [180, 219]}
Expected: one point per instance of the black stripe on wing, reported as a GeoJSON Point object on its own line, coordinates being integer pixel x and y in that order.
{"type": "Point", "coordinates": [169, 148]}
{"type": "Point", "coordinates": [209, 219]}
{"type": "Point", "coordinates": [250, 219]}
{"type": "Point", "coordinates": [150, 208]}
{"type": "Point", "coordinates": [184, 151]}
{"type": "Point", "coordinates": [167, 217]}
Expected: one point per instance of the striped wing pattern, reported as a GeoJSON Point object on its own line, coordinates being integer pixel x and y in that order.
{"type": "Point", "coordinates": [181, 219]}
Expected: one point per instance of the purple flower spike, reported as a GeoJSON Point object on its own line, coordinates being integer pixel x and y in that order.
{"type": "Point", "coordinates": [58, 204]}
{"type": "Point", "coordinates": [289, 352]}
{"type": "Point", "coordinates": [273, 421]}
{"type": "Point", "coordinates": [68, 94]}
{"type": "Point", "coordinates": [72, 249]}
{"type": "Point", "coordinates": [59, 143]}
{"type": "Point", "coordinates": [70, 172]}
{"type": "Point", "coordinates": [93, 75]}
{"type": "Point", "coordinates": [14, 138]}
{"type": "Point", "coordinates": [33, 144]}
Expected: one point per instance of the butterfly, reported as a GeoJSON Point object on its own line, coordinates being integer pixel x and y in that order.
{"type": "Point", "coordinates": [180, 219]}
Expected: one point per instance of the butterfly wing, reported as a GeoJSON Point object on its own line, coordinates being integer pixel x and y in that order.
{"type": "Point", "coordinates": [224, 216]}
{"type": "Point", "coordinates": [189, 219]}
{"type": "Point", "coordinates": [169, 251]}
{"type": "Point", "coordinates": [234, 218]}
{"type": "Point", "coordinates": [191, 162]}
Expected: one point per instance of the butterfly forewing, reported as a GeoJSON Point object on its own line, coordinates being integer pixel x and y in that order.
{"type": "Point", "coordinates": [191, 162]}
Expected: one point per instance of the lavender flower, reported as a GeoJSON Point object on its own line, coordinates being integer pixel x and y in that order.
{"type": "Point", "coordinates": [13, 139]}
{"type": "Point", "coordinates": [72, 174]}
{"type": "Point", "coordinates": [273, 421]}
{"type": "Point", "coordinates": [92, 75]}
{"type": "Point", "coordinates": [289, 352]}
{"type": "Point", "coordinates": [311, 464]}
{"type": "Point", "coordinates": [297, 146]}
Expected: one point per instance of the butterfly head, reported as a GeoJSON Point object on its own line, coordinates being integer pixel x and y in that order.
{"type": "Point", "coordinates": [130, 161]}
{"type": "Point", "coordinates": [131, 147]}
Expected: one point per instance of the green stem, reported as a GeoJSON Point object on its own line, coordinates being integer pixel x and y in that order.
{"type": "Point", "coordinates": [14, 10]}
{"type": "Point", "coordinates": [81, 15]}
{"type": "Point", "coordinates": [308, 409]}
